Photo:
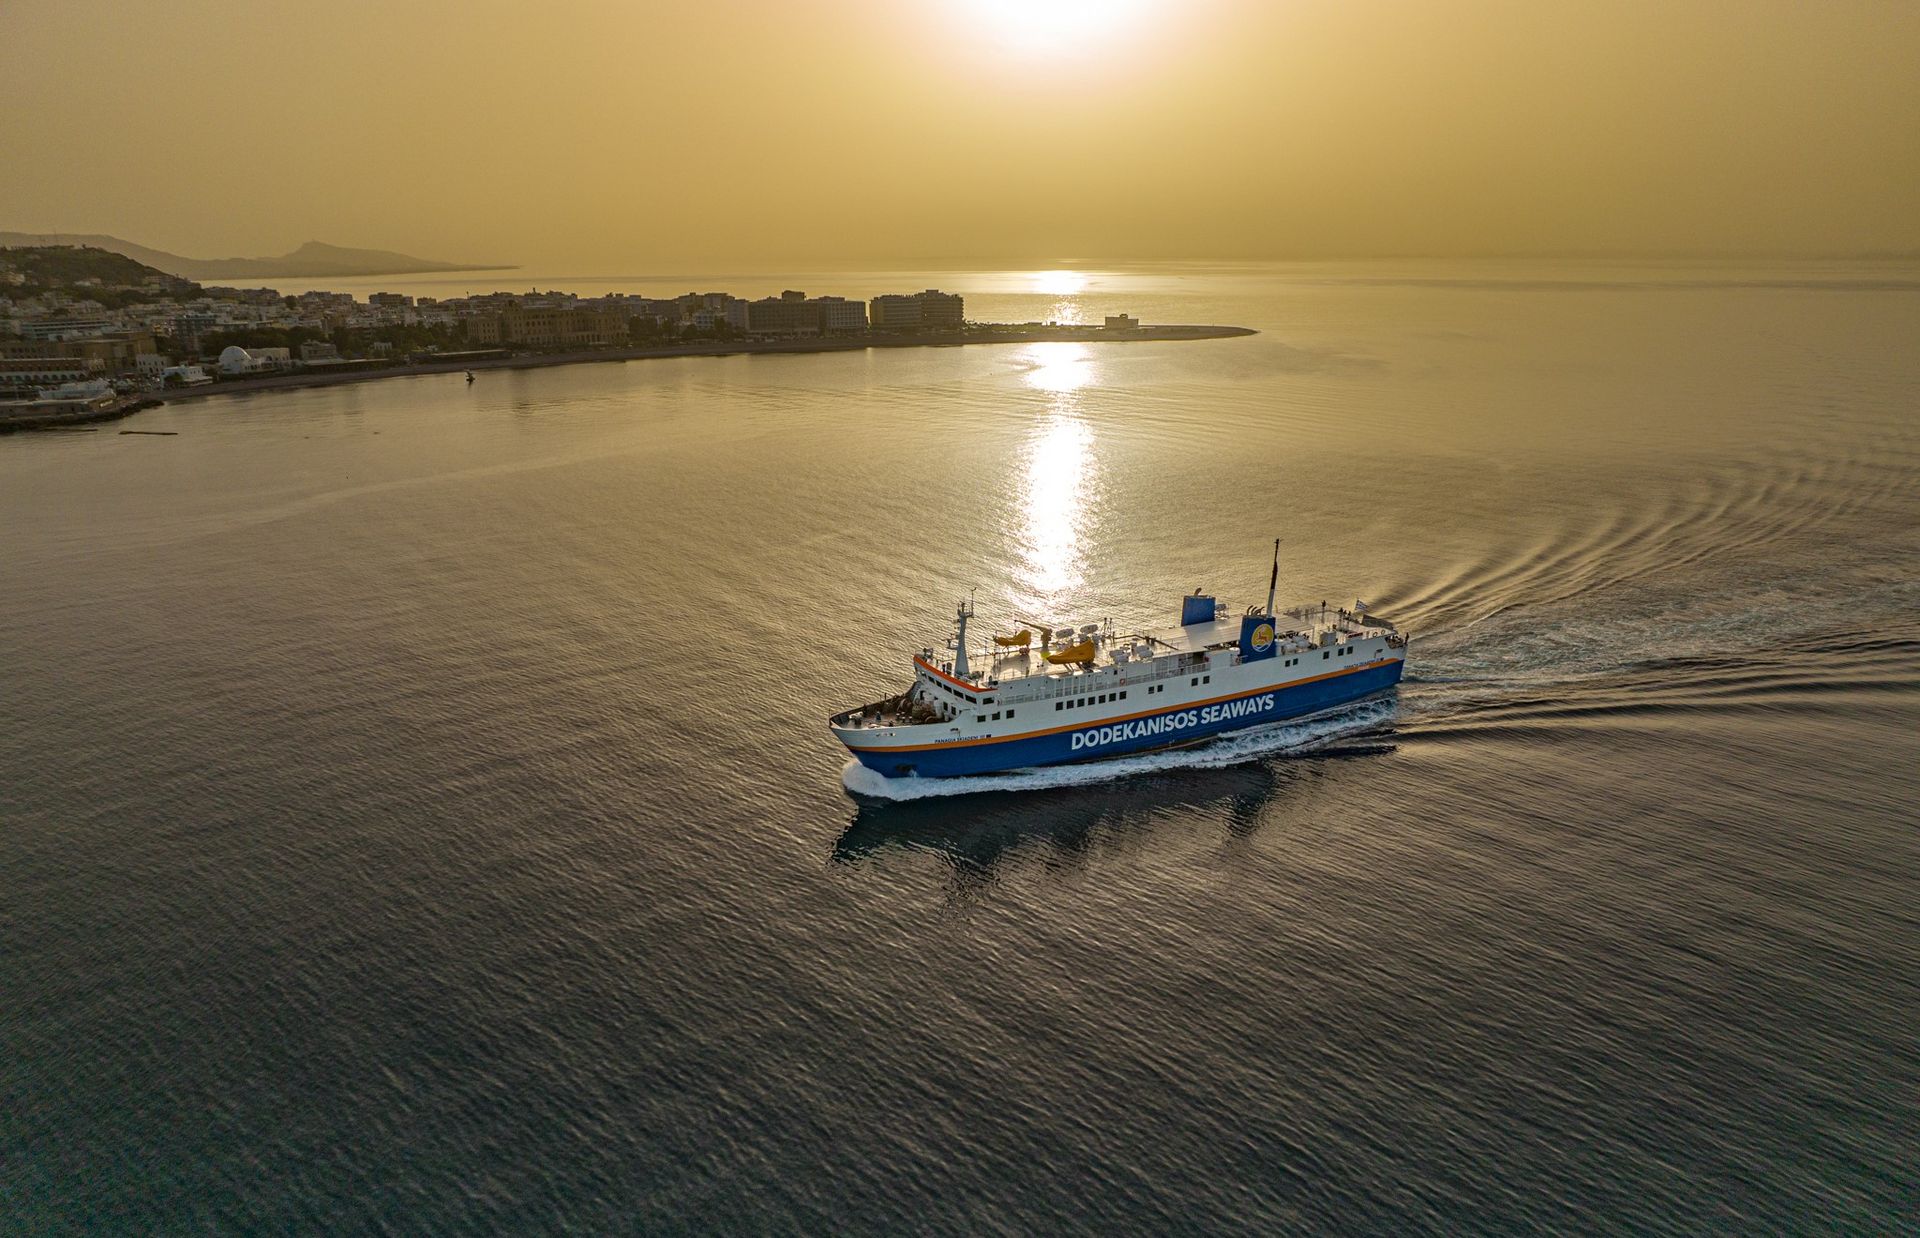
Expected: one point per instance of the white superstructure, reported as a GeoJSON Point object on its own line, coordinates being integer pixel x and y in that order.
{"type": "Point", "coordinates": [1102, 690]}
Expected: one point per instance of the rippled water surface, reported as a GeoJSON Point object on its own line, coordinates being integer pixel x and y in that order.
{"type": "Point", "coordinates": [417, 812]}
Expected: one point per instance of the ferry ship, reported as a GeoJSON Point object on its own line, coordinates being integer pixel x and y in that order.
{"type": "Point", "coordinates": [1040, 695]}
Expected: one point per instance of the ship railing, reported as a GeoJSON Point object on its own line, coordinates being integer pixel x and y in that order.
{"type": "Point", "coordinates": [1131, 674]}
{"type": "Point", "coordinates": [1073, 683]}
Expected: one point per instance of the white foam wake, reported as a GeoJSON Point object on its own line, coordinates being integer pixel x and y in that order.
{"type": "Point", "coordinates": [1281, 739]}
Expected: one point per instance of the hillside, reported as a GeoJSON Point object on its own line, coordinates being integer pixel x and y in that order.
{"type": "Point", "coordinates": [95, 274]}
{"type": "Point", "coordinates": [315, 259]}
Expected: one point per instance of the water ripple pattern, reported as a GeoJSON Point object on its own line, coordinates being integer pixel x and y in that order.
{"type": "Point", "coordinates": [417, 811]}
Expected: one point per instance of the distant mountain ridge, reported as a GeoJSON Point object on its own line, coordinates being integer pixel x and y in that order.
{"type": "Point", "coordinates": [314, 259]}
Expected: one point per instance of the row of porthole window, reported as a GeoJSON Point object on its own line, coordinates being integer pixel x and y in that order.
{"type": "Point", "coordinates": [996, 716]}
{"type": "Point", "coordinates": [1101, 699]}
{"type": "Point", "coordinates": [1198, 680]}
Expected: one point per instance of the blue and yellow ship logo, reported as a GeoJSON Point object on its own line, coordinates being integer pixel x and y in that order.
{"type": "Point", "coordinates": [1262, 637]}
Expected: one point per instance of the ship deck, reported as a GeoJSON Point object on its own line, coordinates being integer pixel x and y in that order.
{"type": "Point", "coordinates": [1300, 628]}
{"type": "Point", "coordinates": [1122, 659]}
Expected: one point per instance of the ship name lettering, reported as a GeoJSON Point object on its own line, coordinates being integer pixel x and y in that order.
{"type": "Point", "coordinates": [1209, 715]}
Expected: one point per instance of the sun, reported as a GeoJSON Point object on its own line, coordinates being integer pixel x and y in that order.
{"type": "Point", "coordinates": [1056, 27]}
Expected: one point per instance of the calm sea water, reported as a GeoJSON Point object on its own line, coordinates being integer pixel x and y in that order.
{"type": "Point", "coordinates": [417, 813]}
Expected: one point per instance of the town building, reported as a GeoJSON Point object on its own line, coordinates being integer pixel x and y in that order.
{"type": "Point", "coordinates": [116, 352]}
{"type": "Point", "coordinates": [717, 307]}
{"type": "Point", "coordinates": [795, 313]}
{"type": "Point", "coordinates": [188, 327]}
{"type": "Point", "coordinates": [530, 326]}
{"type": "Point", "coordinates": [25, 375]}
{"type": "Point", "coordinates": [237, 360]}
{"type": "Point", "coordinates": [65, 328]}
{"type": "Point", "coordinates": [912, 311]}
{"type": "Point", "coordinates": [1121, 322]}
{"type": "Point", "coordinates": [841, 314]}
{"type": "Point", "coordinates": [787, 314]}
{"type": "Point", "coordinates": [265, 297]}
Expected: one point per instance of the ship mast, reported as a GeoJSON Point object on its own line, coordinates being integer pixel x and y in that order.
{"type": "Point", "coordinates": [960, 638]}
{"type": "Point", "coordinates": [1273, 581]}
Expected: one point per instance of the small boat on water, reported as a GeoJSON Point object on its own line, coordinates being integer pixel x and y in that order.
{"type": "Point", "coordinates": [1105, 691]}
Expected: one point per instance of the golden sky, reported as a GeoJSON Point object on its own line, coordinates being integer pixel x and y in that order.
{"type": "Point", "coordinates": [603, 136]}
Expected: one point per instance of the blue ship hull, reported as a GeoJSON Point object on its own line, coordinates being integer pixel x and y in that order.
{"type": "Point", "coordinates": [1168, 728]}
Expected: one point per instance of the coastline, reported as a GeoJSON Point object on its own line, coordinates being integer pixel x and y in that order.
{"type": "Point", "coordinates": [694, 348]}
{"type": "Point", "coordinates": [729, 348]}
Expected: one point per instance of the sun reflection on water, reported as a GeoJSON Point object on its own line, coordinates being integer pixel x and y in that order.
{"type": "Point", "coordinates": [1059, 283]}
{"type": "Point", "coordinates": [1066, 286]}
{"type": "Point", "coordinates": [1059, 368]}
{"type": "Point", "coordinates": [1059, 484]}
{"type": "Point", "coordinates": [1061, 480]}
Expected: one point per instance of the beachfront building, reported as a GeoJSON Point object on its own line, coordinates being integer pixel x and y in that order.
{"type": "Point", "coordinates": [236, 360]}
{"type": "Point", "coordinates": [21, 376]}
{"type": "Point", "coordinates": [708, 309]}
{"type": "Point", "coordinates": [790, 313]}
{"type": "Point", "coordinates": [912, 311]}
{"type": "Point", "coordinates": [115, 352]}
{"type": "Point", "coordinates": [840, 314]}
{"type": "Point", "coordinates": [535, 326]}
{"type": "Point", "coordinates": [795, 313]}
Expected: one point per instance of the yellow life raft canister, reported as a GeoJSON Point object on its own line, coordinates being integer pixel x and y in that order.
{"type": "Point", "coordinates": [1069, 654]}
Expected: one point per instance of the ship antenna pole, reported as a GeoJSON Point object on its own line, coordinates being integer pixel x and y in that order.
{"type": "Point", "coordinates": [960, 638]}
{"type": "Point", "coordinates": [1273, 581]}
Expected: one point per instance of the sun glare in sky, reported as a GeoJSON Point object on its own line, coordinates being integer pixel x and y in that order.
{"type": "Point", "coordinates": [1056, 28]}
{"type": "Point", "coordinates": [1012, 134]}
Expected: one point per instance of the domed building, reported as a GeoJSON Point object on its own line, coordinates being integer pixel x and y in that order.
{"type": "Point", "coordinates": [237, 360]}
